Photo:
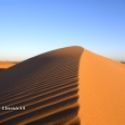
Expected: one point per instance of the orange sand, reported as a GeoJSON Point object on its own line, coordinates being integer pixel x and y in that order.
{"type": "Point", "coordinates": [102, 91]}
{"type": "Point", "coordinates": [6, 64]}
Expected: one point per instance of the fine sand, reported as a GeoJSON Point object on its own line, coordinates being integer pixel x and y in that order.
{"type": "Point", "coordinates": [68, 86]}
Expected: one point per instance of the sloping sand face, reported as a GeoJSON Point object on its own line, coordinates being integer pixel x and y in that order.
{"type": "Point", "coordinates": [102, 91]}
{"type": "Point", "coordinates": [46, 85]}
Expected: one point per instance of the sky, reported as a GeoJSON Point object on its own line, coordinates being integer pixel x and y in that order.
{"type": "Point", "coordinates": [31, 27]}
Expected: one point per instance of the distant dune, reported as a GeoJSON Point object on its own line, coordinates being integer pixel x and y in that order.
{"type": "Point", "coordinates": [6, 64]}
{"type": "Point", "coordinates": [123, 62]}
{"type": "Point", "coordinates": [68, 86]}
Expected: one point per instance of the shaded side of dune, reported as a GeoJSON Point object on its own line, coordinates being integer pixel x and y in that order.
{"type": "Point", "coordinates": [47, 85]}
{"type": "Point", "coordinates": [1, 69]}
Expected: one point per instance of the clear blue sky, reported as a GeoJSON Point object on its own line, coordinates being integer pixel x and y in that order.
{"type": "Point", "coordinates": [30, 27]}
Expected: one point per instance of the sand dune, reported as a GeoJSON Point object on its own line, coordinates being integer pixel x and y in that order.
{"type": "Point", "coordinates": [47, 85]}
{"type": "Point", "coordinates": [6, 64]}
{"type": "Point", "coordinates": [68, 86]}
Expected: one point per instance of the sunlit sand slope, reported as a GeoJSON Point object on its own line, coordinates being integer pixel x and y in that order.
{"type": "Point", "coordinates": [102, 91]}
{"type": "Point", "coordinates": [47, 85]}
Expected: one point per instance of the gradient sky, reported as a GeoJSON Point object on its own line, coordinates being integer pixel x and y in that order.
{"type": "Point", "coordinates": [31, 27]}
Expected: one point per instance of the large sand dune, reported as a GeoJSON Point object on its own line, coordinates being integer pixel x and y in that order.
{"type": "Point", "coordinates": [68, 86]}
{"type": "Point", "coordinates": [47, 85]}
